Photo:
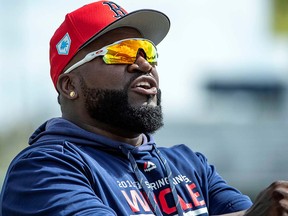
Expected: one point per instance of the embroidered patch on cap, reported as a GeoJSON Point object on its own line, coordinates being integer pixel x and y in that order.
{"type": "Point", "coordinates": [63, 46]}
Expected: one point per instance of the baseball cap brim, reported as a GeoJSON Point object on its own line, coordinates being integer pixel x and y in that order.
{"type": "Point", "coordinates": [153, 25]}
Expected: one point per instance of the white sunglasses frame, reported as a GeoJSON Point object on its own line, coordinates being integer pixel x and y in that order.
{"type": "Point", "coordinates": [101, 52]}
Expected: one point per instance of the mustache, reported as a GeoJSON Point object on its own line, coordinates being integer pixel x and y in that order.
{"type": "Point", "coordinates": [135, 76]}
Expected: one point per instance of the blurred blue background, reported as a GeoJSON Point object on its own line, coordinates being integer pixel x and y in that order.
{"type": "Point", "coordinates": [223, 73]}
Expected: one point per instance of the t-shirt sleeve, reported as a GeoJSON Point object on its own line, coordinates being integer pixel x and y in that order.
{"type": "Point", "coordinates": [223, 198]}
{"type": "Point", "coordinates": [50, 182]}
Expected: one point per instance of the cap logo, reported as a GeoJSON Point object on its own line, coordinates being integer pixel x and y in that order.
{"type": "Point", "coordinates": [63, 45]}
{"type": "Point", "coordinates": [119, 12]}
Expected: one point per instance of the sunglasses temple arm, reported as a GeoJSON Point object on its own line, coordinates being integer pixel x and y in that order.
{"type": "Point", "coordinates": [87, 58]}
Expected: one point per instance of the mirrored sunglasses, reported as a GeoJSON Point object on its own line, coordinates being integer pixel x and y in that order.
{"type": "Point", "coordinates": [122, 52]}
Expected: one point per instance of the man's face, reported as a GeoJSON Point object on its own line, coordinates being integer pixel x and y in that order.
{"type": "Point", "coordinates": [122, 96]}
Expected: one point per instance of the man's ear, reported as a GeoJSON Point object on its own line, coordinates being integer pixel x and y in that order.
{"type": "Point", "coordinates": [66, 86]}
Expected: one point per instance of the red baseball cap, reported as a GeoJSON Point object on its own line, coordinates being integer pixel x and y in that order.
{"type": "Point", "coordinates": [87, 23]}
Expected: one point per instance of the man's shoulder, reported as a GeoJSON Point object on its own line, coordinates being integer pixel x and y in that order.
{"type": "Point", "coordinates": [56, 151]}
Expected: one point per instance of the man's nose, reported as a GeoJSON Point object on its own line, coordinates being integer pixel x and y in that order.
{"type": "Point", "coordinates": [140, 65]}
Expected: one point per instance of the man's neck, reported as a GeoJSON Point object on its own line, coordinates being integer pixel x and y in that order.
{"type": "Point", "coordinates": [132, 138]}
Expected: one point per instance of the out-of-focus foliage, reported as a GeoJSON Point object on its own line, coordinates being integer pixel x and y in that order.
{"type": "Point", "coordinates": [280, 16]}
{"type": "Point", "coordinates": [11, 143]}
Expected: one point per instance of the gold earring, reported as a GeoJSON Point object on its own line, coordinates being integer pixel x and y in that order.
{"type": "Point", "coordinates": [72, 94]}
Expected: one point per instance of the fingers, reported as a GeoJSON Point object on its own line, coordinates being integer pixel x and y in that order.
{"type": "Point", "coordinates": [279, 192]}
{"type": "Point", "coordinates": [273, 201]}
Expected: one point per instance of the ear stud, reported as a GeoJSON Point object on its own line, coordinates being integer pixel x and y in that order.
{"type": "Point", "coordinates": [72, 94]}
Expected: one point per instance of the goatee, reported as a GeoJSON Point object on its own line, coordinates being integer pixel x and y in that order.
{"type": "Point", "coordinates": [112, 107]}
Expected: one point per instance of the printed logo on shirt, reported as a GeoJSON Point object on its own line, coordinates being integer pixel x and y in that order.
{"type": "Point", "coordinates": [148, 166]}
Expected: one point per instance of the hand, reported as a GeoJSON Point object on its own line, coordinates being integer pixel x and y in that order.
{"type": "Point", "coordinates": [273, 201]}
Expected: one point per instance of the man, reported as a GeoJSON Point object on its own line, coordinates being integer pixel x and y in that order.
{"type": "Point", "coordinates": [99, 158]}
